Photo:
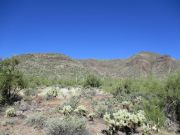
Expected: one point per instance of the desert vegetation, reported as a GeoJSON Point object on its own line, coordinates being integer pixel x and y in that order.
{"type": "Point", "coordinates": [90, 105]}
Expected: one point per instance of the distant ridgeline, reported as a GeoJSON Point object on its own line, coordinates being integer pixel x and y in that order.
{"type": "Point", "coordinates": [59, 66]}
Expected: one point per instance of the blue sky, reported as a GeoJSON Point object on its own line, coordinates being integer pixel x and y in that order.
{"type": "Point", "coordinates": [102, 29]}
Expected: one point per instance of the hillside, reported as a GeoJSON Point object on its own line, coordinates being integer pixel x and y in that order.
{"type": "Point", "coordinates": [51, 66]}
{"type": "Point", "coordinates": [61, 66]}
{"type": "Point", "coordinates": [141, 64]}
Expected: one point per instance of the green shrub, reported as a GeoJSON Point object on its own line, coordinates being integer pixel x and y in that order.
{"type": "Point", "coordinates": [150, 85]}
{"type": "Point", "coordinates": [36, 120]}
{"type": "Point", "coordinates": [92, 81]}
{"type": "Point", "coordinates": [11, 81]}
{"type": "Point", "coordinates": [70, 125]}
{"type": "Point", "coordinates": [154, 113]}
{"type": "Point", "coordinates": [122, 87]}
{"type": "Point", "coordinates": [36, 81]}
{"type": "Point", "coordinates": [69, 82]}
{"type": "Point", "coordinates": [172, 86]}
{"type": "Point", "coordinates": [172, 100]}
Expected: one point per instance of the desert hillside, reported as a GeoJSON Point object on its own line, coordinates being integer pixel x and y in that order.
{"type": "Point", "coordinates": [61, 66]}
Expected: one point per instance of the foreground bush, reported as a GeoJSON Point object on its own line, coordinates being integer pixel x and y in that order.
{"type": "Point", "coordinates": [71, 125]}
{"type": "Point", "coordinates": [11, 81]}
{"type": "Point", "coordinates": [36, 120]}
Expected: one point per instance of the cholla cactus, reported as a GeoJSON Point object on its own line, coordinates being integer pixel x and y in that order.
{"type": "Point", "coordinates": [126, 105]}
{"type": "Point", "coordinates": [91, 116]}
{"type": "Point", "coordinates": [123, 120]}
{"type": "Point", "coordinates": [73, 92]}
{"type": "Point", "coordinates": [138, 100]}
{"type": "Point", "coordinates": [141, 116]}
{"type": "Point", "coordinates": [67, 110]}
{"type": "Point", "coordinates": [81, 110]}
{"type": "Point", "coordinates": [108, 120]}
{"type": "Point", "coordinates": [10, 112]}
{"type": "Point", "coordinates": [53, 92]}
{"type": "Point", "coordinates": [149, 129]}
{"type": "Point", "coordinates": [146, 130]}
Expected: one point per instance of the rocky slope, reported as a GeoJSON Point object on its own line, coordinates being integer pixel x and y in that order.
{"type": "Point", "coordinates": [141, 64]}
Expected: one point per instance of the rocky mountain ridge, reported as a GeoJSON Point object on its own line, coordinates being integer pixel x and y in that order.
{"type": "Point", "coordinates": [61, 66]}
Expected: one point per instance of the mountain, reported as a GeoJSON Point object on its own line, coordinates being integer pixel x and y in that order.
{"type": "Point", "coordinates": [63, 67]}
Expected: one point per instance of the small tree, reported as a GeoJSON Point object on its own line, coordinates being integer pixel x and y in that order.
{"type": "Point", "coordinates": [11, 80]}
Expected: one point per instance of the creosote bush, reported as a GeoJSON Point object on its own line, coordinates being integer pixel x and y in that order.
{"type": "Point", "coordinates": [71, 125]}
{"type": "Point", "coordinates": [36, 120]}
